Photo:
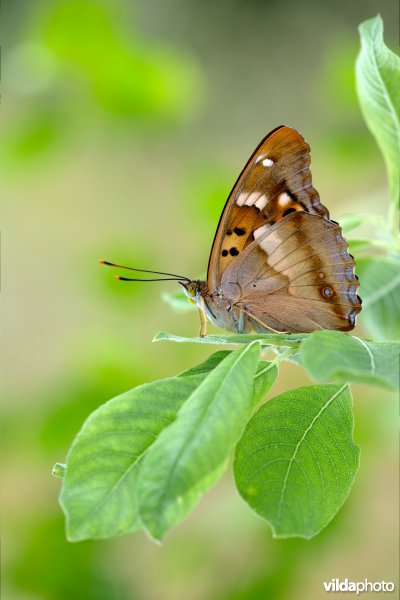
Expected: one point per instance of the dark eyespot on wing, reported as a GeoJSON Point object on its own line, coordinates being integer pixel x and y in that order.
{"type": "Point", "coordinates": [327, 292]}
{"type": "Point", "coordinates": [224, 252]}
{"type": "Point", "coordinates": [234, 251]}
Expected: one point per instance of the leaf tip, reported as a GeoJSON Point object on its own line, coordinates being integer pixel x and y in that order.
{"type": "Point", "coordinates": [373, 25]}
{"type": "Point", "coordinates": [154, 536]}
{"type": "Point", "coordinates": [160, 335]}
{"type": "Point", "coordinates": [59, 470]}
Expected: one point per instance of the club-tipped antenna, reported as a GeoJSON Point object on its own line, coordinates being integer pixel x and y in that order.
{"type": "Point", "coordinates": [172, 276]}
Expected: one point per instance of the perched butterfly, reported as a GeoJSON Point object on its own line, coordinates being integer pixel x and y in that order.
{"type": "Point", "coordinates": [278, 262]}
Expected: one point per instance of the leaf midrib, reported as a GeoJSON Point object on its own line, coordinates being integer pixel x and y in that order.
{"type": "Point", "coordinates": [323, 408]}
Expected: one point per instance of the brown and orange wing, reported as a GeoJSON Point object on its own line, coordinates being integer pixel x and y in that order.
{"type": "Point", "coordinates": [275, 182]}
{"type": "Point", "coordinates": [296, 276]}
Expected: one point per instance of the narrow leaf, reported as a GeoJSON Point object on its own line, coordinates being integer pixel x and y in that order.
{"type": "Point", "coordinates": [263, 379]}
{"type": "Point", "coordinates": [190, 455]}
{"type": "Point", "coordinates": [335, 356]}
{"type": "Point", "coordinates": [380, 292]}
{"type": "Point", "coordinates": [98, 493]}
{"type": "Point", "coordinates": [378, 86]}
{"type": "Point", "coordinates": [297, 460]}
{"type": "Point", "coordinates": [265, 339]}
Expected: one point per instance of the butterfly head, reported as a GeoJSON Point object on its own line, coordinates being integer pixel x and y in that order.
{"type": "Point", "coordinates": [193, 290]}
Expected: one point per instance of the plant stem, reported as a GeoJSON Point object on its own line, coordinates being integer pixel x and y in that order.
{"type": "Point", "coordinates": [393, 221]}
{"type": "Point", "coordinates": [276, 361]}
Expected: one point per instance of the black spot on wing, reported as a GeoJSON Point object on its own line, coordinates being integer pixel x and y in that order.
{"type": "Point", "coordinates": [239, 231]}
{"type": "Point", "coordinates": [288, 211]}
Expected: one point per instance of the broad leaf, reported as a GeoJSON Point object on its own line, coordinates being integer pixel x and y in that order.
{"type": "Point", "coordinates": [378, 86]}
{"type": "Point", "coordinates": [98, 493]}
{"type": "Point", "coordinates": [380, 293]}
{"type": "Point", "coordinates": [266, 339]}
{"type": "Point", "coordinates": [297, 460]}
{"type": "Point", "coordinates": [336, 356]}
{"type": "Point", "coordinates": [190, 455]}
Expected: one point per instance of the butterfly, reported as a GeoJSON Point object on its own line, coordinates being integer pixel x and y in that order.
{"type": "Point", "coordinates": [278, 263]}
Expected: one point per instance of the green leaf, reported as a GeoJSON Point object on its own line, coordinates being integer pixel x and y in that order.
{"type": "Point", "coordinates": [190, 455]}
{"type": "Point", "coordinates": [264, 378]}
{"type": "Point", "coordinates": [359, 245]}
{"type": "Point", "coordinates": [336, 356]}
{"type": "Point", "coordinates": [350, 222]}
{"type": "Point", "coordinates": [297, 460]}
{"type": "Point", "coordinates": [356, 246]}
{"type": "Point", "coordinates": [208, 365]}
{"type": "Point", "coordinates": [295, 357]}
{"type": "Point", "coordinates": [59, 470]}
{"type": "Point", "coordinates": [380, 292]}
{"type": "Point", "coordinates": [266, 339]}
{"type": "Point", "coordinates": [98, 493]}
{"type": "Point", "coordinates": [378, 86]}
{"type": "Point", "coordinates": [353, 221]}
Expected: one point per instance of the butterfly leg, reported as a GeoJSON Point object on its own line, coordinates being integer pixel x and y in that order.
{"type": "Point", "coordinates": [203, 318]}
{"type": "Point", "coordinates": [240, 325]}
{"type": "Point", "coordinates": [263, 325]}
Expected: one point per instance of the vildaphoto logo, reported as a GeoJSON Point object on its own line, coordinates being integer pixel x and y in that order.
{"type": "Point", "coordinates": [336, 585]}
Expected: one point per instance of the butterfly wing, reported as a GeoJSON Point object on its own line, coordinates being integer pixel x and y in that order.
{"type": "Point", "coordinates": [297, 275]}
{"type": "Point", "coordinates": [275, 182]}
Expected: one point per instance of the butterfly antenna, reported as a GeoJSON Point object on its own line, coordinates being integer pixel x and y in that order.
{"type": "Point", "coordinates": [172, 276]}
{"type": "Point", "coordinates": [159, 279]}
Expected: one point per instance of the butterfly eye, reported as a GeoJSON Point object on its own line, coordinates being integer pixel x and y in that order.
{"type": "Point", "coordinates": [192, 289]}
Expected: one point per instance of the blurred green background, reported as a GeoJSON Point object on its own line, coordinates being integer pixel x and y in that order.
{"type": "Point", "coordinates": [125, 125]}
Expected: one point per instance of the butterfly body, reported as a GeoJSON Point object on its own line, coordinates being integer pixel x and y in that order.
{"type": "Point", "coordinates": [218, 308]}
{"type": "Point", "coordinates": [278, 262]}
